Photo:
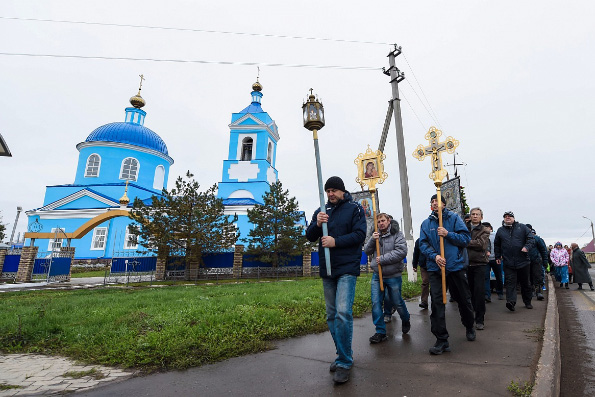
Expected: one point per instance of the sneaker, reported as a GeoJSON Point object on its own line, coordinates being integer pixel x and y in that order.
{"type": "Point", "coordinates": [470, 334]}
{"type": "Point", "coordinates": [529, 306]}
{"type": "Point", "coordinates": [580, 287]}
{"type": "Point", "coordinates": [423, 305]}
{"type": "Point", "coordinates": [500, 297]}
{"type": "Point", "coordinates": [341, 375]}
{"type": "Point", "coordinates": [566, 286]}
{"type": "Point", "coordinates": [540, 296]}
{"type": "Point", "coordinates": [406, 326]}
{"type": "Point", "coordinates": [592, 289]}
{"type": "Point", "coordinates": [488, 299]}
{"type": "Point", "coordinates": [479, 326]}
{"type": "Point", "coordinates": [387, 319]}
{"type": "Point", "coordinates": [439, 347]}
{"type": "Point", "coordinates": [377, 338]}
{"type": "Point", "coordinates": [510, 306]}
{"type": "Point", "coordinates": [333, 367]}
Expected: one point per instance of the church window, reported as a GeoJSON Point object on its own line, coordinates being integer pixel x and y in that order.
{"type": "Point", "coordinates": [130, 240]}
{"type": "Point", "coordinates": [159, 177]}
{"type": "Point", "coordinates": [93, 163]}
{"type": "Point", "coordinates": [99, 238]}
{"type": "Point", "coordinates": [247, 149]}
{"type": "Point", "coordinates": [270, 153]}
{"type": "Point", "coordinates": [129, 169]}
{"type": "Point", "coordinates": [56, 243]}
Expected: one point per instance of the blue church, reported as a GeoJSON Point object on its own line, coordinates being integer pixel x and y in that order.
{"type": "Point", "coordinates": [121, 161]}
{"type": "Point", "coordinates": [117, 163]}
{"type": "Point", "coordinates": [249, 169]}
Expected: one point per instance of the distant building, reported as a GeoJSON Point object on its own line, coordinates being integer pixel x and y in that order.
{"type": "Point", "coordinates": [111, 156]}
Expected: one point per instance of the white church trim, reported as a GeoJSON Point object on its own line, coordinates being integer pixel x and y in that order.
{"type": "Point", "coordinates": [243, 171]}
{"type": "Point", "coordinates": [271, 176]}
{"type": "Point", "coordinates": [69, 214]}
{"type": "Point", "coordinates": [241, 193]}
{"type": "Point", "coordinates": [271, 128]}
{"type": "Point", "coordinates": [75, 196]}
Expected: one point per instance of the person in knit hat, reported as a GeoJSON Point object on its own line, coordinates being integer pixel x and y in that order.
{"type": "Point", "coordinates": [560, 259]}
{"type": "Point", "coordinates": [346, 223]}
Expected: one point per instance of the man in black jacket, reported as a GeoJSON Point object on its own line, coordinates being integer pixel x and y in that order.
{"type": "Point", "coordinates": [420, 260]}
{"type": "Point", "coordinates": [512, 245]}
{"type": "Point", "coordinates": [538, 256]}
{"type": "Point", "coordinates": [346, 222]}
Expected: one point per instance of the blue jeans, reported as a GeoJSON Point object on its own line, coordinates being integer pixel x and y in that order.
{"type": "Point", "coordinates": [339, 294]}
{"type": "Point", "coordinates": [392, 287]}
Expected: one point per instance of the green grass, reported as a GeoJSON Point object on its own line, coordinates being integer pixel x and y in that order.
{"type": "Point", "coordinates": [94, 273]}
{"type": "Point", "coordinates": [520, 390]}
{"type": "Point", "coordinates": [6, 386]}
{"type": "Point", "coordinates": [93, 373]}
{"type": "Point", "coordinates": [168, 327]}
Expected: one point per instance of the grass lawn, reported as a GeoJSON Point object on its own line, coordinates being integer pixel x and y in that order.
{"type": "Point", "coordinates": [167, 327]}
{"type": "Point", "coordinates": [94, 273]}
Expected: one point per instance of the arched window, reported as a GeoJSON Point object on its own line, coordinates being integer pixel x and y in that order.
{"type": "Point", "coordinates": [93, 164]}
{"type": "Point", "coordinates": [247, 149]}
{"type": "Point", "coordinates": [159, 177]}
{"type": "Point", "coordinates": [129, 169]}
{"type": "Point", "coordinates": [270, 153]}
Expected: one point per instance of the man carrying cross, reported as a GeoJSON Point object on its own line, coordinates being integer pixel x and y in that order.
{"type": "Point", "coordinates": [456, 237]}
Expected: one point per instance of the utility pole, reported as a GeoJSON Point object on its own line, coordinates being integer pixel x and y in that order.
{"type": "Point", "coordinates": [14, 227]}
{"type": "Point", "coordinates": [592, 230]}
{"type": "Point", "coordinates": [396, 76]}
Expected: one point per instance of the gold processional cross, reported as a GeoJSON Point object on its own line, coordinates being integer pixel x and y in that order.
{"type": "Point", "coordinates": [435, 149]}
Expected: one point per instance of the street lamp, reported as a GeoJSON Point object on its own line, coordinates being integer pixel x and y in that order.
{"type": "Point", "coordinates": [592, 230]}
{"type": "Point", "coordinates": [4, 151]}
{"type": "Point", "coordinates": [14, 227]}
{"type": "Point", "coordinates": [313, 112]}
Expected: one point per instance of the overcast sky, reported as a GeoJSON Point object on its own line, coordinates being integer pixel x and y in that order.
{"type": "Point", "coordinates": [511, 80]}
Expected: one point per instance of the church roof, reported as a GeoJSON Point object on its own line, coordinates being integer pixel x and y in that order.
{"type": "Point", "coordinates": [240, 201]}
{"type": "Point", "coordinates": [130, 133]}
{"type": "Point", "coordinates": [254, 107]}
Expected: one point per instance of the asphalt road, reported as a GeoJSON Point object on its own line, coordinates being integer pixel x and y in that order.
{"type": "Point", "coordinates": [577, 339]}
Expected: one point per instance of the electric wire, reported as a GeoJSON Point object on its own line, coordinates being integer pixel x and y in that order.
{"type": "Point", "coordinates": [423, 93]}
{"type": "Point", "coordinates": [413, 110]}
{"type": "Point", "coordinates": [421, 101]}
{"type": "Point", "coordinates": [122, 25]}
{"type": "Point", "coordinates": [286, 65]}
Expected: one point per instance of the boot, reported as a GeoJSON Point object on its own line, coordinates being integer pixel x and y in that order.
{"type": "Point", "coordinates": [538, 293]}
{"type": "Point", "coordinates": [591, 285]}
{"type": "Point", "coordinates": [566, 286]}
{"type": "Point", "coordinates": [580, 286]}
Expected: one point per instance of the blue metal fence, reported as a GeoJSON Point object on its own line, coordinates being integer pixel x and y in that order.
{"type": "Point", "coordinates": [11, 263]}
{"type": "Point", "coordinates": [134, 264]}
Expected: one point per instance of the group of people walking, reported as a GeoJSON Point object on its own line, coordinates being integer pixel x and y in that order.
{"type": "Point", "coordinates": [570, 264]}
{"type": "Point", "coordinates": [471, 250]}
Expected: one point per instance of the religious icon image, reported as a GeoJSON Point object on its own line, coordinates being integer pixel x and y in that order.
{"type": "Point", "coordinates": [371, 169]}
{"type": "Point", "coordinates": [366, 204]}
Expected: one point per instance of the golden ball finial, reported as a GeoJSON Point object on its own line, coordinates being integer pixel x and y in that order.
{"type": "Point", "coordinates": [124, 200]}
{"type": "Point", "coordinates": [137, 101]}
{"type": "Point", "coordinates": [257, 86]}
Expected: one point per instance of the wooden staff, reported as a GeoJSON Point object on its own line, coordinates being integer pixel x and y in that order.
{"type": "Point", "coordinates": [442, 268]}
{"type": "Point", "coordinates": [378, 240]}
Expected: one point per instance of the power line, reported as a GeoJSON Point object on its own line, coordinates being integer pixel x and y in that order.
{"type": "Point", "coordinates": [278, 36]}
{"type": "Point", "coordinates": [285, 65]}
{"type": "Point", "coordinates": [413, 110]}
{"type": "Point", "coordinates": [422, 102]}
{"type": "Point", "coordinates": [422, 92]}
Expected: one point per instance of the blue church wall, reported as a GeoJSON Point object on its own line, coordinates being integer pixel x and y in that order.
{"type": "Point", "coordinates": [111, 165]}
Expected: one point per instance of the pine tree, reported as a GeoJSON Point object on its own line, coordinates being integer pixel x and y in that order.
{"type": "Point", "coordinates": [184, 219]}
{"type": "Point", "coordinates": [276, 235]}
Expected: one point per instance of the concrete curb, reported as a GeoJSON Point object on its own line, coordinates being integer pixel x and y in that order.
{"type": "Point", "coordinates": [547, 378]}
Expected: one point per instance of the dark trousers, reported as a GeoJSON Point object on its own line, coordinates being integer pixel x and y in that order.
{"type": "Point", "coordinates": [511, 277]}
{"type": "Point", "coordinates": [536, 274]}
{"type": "Point", "coordinates": [476, 277]}
{"type": "Point", "coordinates": [497, 268]}
{"type": "Point", "coordinates": [459, 291]}
{"type": "Point", "coordinates": [425, 284]}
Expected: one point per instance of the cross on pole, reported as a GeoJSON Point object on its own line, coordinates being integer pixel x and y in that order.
{"type": "Point", "coordinates": [142, 77]}
{"type": "Point", "coordinates": [435, 149]}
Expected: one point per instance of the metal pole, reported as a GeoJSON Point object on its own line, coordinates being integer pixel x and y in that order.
{"type": "Point", "coordinates": [14, 227]}
{"type": "Point", "coordinates": [327, 253]}
{"type": "Point", "coordinates": [395, 77]}
{"type": "Point", "coordinates": [592, 230]}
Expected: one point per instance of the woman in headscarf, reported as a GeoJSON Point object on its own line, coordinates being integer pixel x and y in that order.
{"type": "Point", "coordinates": [560, 258]}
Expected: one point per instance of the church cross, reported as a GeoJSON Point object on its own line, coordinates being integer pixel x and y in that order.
{"type": "Point", "coordinates": [435, 149]}
{"type": "Point", "coordinates": [142, 77]}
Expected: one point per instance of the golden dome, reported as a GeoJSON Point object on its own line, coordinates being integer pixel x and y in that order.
{"type": "Point", "coordinates": [257, 87]}
{"type": "Point", "coordinates": [137, 101]}
{"type": "Point", "coordinates": [124, 200]}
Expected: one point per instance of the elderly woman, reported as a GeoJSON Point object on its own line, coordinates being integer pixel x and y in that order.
{"type": "Point", "coordinates": [560, 258]}
{"type": "Point", "coordinates": [581, 267]}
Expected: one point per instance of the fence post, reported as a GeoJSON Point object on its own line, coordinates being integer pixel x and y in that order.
{"type": "Point", "coordinates": [160, 266]}
{"type": "Point", "coordinates": [25, 271]}
{"type": "Point", "coordinates": [3, 252]}
{"type": "Point", "coordinates": [238, 258]}
{"type": "Point", "coordinates": [307, 262]}
{"type": "Point", "coordinates": [70, 250]}
{"type": "Point", "coordinates": [192, 270]}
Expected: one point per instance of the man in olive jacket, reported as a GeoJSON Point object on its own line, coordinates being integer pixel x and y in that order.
{"type": "Point", "coordinates": [478, 259]}
{"type": "Point", "coordinates": [512, 245]}
{"type": "Point", "coordinates": [393, 249]}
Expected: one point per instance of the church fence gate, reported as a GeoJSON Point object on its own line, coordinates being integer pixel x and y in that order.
{"type": "Point", "coordinates": [217, 265]}
{"type": "Point", "coordinates": [51, 266]}
{"type": "Point", "coordinates": [252, 268]}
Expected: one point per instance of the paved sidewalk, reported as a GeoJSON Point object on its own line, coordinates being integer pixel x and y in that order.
{"type": "Point", "coordinates": [507, 350]}
{"type": "Point", "coordinates": [35, 374]}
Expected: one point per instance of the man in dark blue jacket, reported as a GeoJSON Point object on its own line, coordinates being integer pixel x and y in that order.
{"type": "Point", "coordinates": [346, 222]}
{"type": "Point", "coordinates": [538, 256]}
{"type": "Point", "coordinates": [456, 237]}
{"type": "Point", "coordinates": [512, 245]}
{"type": "Point", "coordinates": [420, 260]}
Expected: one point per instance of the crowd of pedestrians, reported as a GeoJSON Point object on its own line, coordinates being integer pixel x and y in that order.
{"type": "Point", "coordinates": [467, 249]}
